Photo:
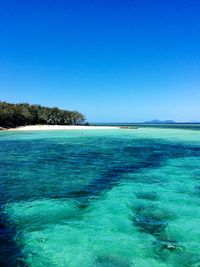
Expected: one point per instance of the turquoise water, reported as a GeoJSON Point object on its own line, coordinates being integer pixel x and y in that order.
{"type": "Point", "coordinates": [120, 198]}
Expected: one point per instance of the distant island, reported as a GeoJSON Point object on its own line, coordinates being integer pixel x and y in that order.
{"type": "Point", "coordinates": [160, 122]}
{"type": "Point", "coordinates": [15, 115]}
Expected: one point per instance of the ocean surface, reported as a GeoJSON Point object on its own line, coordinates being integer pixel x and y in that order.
{"type": "Point", "coordinates": [100, 198]}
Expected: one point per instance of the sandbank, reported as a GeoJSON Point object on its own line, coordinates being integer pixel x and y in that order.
{"type": "Point", "coordinates": [60, 127]}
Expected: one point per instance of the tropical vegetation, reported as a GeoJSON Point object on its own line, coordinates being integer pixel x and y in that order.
{"type": "Point", "coordinates": [14, 115]}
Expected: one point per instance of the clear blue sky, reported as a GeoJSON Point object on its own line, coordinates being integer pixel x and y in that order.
{"type": "Point", "coordinates": [113, 60]}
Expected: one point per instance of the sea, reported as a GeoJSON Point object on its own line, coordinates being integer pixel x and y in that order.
{"type": "Point", "coordinates": [126, 197]}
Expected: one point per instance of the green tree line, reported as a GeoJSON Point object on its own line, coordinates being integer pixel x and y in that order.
{"type": "Point", "coordinates": [14, 115]}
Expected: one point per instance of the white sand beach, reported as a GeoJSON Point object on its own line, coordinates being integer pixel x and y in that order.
{"type": "Point", "coordinates": [60, 127]}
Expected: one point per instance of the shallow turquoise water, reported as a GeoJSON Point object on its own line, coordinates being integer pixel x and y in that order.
{"type": "Point", "coordinates": [120, 198]}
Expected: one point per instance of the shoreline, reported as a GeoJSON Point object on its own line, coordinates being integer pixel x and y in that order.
{"type": "Point", "coordinates": [60, 127]}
